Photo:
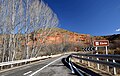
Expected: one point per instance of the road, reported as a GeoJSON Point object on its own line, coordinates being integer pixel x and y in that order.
{"type": "Point", "coordinates": [48, 67]}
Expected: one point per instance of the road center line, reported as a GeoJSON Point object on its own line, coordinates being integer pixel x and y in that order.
{"type": "Point", "coordinates": [27, 72]}
{"type": "Point", "coordinates": [45, 66]}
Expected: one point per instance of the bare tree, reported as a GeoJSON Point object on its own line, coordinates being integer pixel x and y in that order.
{"type": "Point", "coordinates": [20, 18]}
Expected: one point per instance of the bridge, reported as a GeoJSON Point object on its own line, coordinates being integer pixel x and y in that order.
{"type": "Point", "coordinates": [67, 64]}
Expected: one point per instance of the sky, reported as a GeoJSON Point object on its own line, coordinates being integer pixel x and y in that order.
{"type": "Point", "coordinates": [94, 17]}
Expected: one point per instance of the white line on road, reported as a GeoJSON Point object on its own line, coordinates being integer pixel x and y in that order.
{"type": "Point", "coordinates": [45, 66]}
{"type": "Point", "coordinates": [27, 73]}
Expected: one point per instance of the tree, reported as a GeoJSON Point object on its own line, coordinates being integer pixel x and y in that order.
{"type": "Point", "coordinates": [18, 19]}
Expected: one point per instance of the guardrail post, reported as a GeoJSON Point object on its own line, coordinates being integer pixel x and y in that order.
{"type": "Point", "coordinates": [1, 68]}
{"type": "Point", "coordinates": [11, 65]}
{"type": "Point", "coordinates": [82, 60]}
{"type": "Point", "coordinates": [114, 69]}
{"type": "Point", "coordinates": [107, 59]}
{"type": "Point", "coordinates": [107, 66]}
{"type": "Point", "coordinates": [98, 65]}
{"type": "Point", "coordinates": [78, 59]}
{"type": "Point", "coordinates": [88, 62]}
{"type": "Point", "coordinates": [17, 64]}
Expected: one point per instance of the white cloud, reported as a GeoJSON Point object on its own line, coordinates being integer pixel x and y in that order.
{"type": "Point", "coordinates": [118, 30]}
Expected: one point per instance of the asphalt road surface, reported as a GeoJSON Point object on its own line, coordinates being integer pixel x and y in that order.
{"type": "Point", "coordinates": [48, 67]}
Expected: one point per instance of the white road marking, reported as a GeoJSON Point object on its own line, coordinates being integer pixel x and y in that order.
{"type": "Point", "coordinates": [27, 72]}
{"type": "Point", "coordinates": [45, 66]}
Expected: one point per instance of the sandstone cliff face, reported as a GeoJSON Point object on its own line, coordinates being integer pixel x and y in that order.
{"type": "Point", "coordinates": [72, 38]}
{"type": "Point", "coordinates": [62, 36]}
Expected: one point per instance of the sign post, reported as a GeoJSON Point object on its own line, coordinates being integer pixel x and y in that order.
{"type": "Point", "coordinates": [101, 43]}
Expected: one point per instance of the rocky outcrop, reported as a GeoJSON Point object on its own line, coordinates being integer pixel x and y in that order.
{"type": "Point", "coordinates": [62, 36]}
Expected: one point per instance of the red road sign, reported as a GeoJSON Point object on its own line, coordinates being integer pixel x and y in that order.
{"type": "Point", "coordinates": [100, 43]}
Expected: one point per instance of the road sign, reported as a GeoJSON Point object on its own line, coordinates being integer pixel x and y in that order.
{"type": "Point", "coordinates": [100, 43]}
{"type": "Point", "coordinates": [89, 48]}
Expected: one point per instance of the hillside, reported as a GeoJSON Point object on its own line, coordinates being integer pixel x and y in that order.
{"type": "Point", "coordinates": [112, 37]}
{"type": "Point", "coordinates": [57, 41]}
{"type": "Point", "coordinates": [59, 35]}
{"type": "Point", "coordinates": [109, 37]}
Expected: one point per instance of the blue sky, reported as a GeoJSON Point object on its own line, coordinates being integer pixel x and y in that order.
{"type": "Point", "coordinates": [95, 17]}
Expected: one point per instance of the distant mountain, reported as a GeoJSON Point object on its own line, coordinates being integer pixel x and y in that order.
{"type": "Point", "coordinates": [113, 37]}
{"type": "Point", "coordinates": [108, 37]}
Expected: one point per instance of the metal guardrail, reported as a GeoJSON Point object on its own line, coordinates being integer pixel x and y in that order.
{"type": "Point", "coordinates": [73, 68]}
{"type": "Point", "coordinates": [109, 56]}
{"type": "Point", "coordinates": [10, 63]}
{"type": "Point", "coordinates": [76, 69]}
{"type": "Point", "coordinates": [21, 61]}
{"type": "Point", "coordinates": [100, 62]}
{"type": "Point", "coordinates": [109, 60]}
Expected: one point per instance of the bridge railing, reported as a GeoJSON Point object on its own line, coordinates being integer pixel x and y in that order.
{"type": "Point", "coordinates": [111, 61]}
{"type": "Point", "coordinates": [10, 64]}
